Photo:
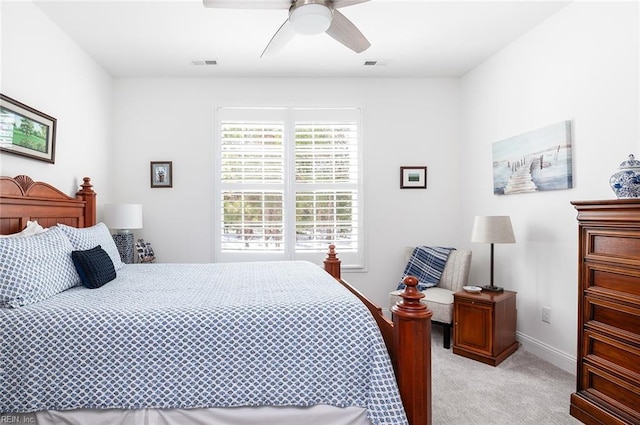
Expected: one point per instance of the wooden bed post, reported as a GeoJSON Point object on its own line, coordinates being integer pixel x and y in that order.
{"type": "Point", "coordinates": [87, 195]}
{"type": "Point", "coordinates": [332, 263]}
{"type": "Point", "coordinates": [408, 341]}
{"type": "Point", "coordinates": [412, 343]}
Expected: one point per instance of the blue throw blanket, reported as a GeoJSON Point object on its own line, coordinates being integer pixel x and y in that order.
{"type": "Point", "coordinates": [426, 264]}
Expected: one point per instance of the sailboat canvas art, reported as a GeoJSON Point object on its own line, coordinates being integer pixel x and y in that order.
{"type": "Point", "coordinates": [536, 161]}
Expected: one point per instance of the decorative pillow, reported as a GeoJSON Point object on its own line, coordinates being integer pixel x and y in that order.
{"type": "Point", "coordinates": [90, 237]}
{"type": "Point", "coordinates": [33, 228]}
{"type": "Point", "coordinates": [35, 268]}
{"type": "Point", "coordinates": [426, 264]}
{"type": "Point", "coordinates": [94, 267]}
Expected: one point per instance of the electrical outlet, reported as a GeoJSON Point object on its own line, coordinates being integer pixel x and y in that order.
{"type": "Point", "coordinates": [546, 314]}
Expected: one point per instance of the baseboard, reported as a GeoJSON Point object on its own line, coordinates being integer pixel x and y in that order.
{"type": "Point", "coordinates": [546, 352]}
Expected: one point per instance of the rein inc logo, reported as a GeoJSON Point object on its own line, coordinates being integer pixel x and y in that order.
{"type": "Point", "coordinates": [17, 419]}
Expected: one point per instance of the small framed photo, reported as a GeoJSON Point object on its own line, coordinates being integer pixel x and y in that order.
{"type": "Point", "coordinates": [25, 131]}
{"type": "Point", "coordinates": [161, 174]}
{"type": "Point", "coordinates": [413, 177]}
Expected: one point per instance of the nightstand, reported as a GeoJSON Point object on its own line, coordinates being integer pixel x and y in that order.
{"type": "Point", "coordinates": [484, 325]}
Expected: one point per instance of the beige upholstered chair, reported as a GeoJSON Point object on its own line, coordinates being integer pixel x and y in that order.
{"type": "Point", "coordinates": [439, 299]}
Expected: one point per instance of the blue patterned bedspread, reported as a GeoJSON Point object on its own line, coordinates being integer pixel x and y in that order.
{"type": "Point", "coordinates": [198, 335]}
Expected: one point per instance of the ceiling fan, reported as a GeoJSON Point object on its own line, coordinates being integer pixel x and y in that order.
{"type": "Point", "coordinates": [306, 17]}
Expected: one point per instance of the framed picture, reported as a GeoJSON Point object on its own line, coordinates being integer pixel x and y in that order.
{"type": "Point", "coordinates": [25, 131]}
{"type": "Point", "coordinates": [536, 161]}
{"type": "Point", "coordinates": [161, 174]}
{"type": "Point", "coordinates": [413, 177]}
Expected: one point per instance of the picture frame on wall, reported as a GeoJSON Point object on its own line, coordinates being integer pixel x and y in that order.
{"type": "Point", "coordinates": [161, 174]}
{"type": "Point", "coordinates": [535, 161]}
{"type": "Point", "coordinates": [413, 177]}
{"type": "Point", "coordinates": [26, 131]}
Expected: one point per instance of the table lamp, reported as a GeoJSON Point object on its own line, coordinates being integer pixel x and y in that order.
{"type": "Point", "coordinates": [123, 218]}
{"type": "Point", "coordinates": [492, 229]}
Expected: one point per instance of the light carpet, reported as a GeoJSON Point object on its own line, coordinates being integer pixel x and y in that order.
{"type": "Point", "coordinates": [523, 389]}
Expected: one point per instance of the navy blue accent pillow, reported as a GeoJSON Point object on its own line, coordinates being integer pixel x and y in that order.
{"type": "Point", "coordinates": [94, 266]}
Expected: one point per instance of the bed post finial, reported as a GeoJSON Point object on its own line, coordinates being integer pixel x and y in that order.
{"type": "Point", "coordinates": [410, 301]}
{"type": "Point", "coordinates": [86, 185]}
{"type": "Point", "coordinates": [332, 263]}
{"type": "Point", "coordinates": [412, 345]}
{"type": "Point", "coordinates": [89, 197]}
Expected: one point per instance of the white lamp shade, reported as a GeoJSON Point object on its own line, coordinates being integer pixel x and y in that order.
{"type": "Point", "coordinates": [492, 229]}
{"type": "Point", "coordinates": [123, 216]}
{"type": "Point", "coordinates": [310, 19]}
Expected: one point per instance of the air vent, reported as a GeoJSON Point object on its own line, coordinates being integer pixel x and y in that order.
{"type": "Point", "coordinates": [377, 62]}
{"type": "Point", "coordinates": [204, 62]}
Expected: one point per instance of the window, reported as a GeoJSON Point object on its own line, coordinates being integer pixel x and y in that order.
{"type": "Point", "coordinates": [288, 184]}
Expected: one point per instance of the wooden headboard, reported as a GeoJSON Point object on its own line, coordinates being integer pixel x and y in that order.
{"type": "Point", "coordinates": [22, 199]}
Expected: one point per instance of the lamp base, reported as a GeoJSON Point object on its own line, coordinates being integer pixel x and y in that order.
{"type": "Point", "coordinates": [124, 243]}
{"type": "Point", "coordinates": [489, 288]}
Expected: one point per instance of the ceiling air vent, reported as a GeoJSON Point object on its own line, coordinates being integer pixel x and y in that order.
{"type": "Point", "coordinates": [204, 62]}
{"type": "Point", "coordinates": [377, 62]}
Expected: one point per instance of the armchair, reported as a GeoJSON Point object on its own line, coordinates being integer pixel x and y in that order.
{"type": "Point", "coordinates": [439, 299]}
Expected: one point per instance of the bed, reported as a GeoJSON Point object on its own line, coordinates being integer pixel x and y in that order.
{"type": "Point", "coordinates": [257, 347]}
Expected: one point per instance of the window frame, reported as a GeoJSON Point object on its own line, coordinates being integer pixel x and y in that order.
{"type": "Point", "coordinates": [289, 116]}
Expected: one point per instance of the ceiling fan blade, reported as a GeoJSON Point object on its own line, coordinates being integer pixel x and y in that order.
{"type": "Point", "coordinates": [344, 3]}
{"type": "Point", "coordinates": [280, 39]}
{"type": "Point", "coordinates": [343, 30]}
{"type": "Point", "coordinates": [248, 4]}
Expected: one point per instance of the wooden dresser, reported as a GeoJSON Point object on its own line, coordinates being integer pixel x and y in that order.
{"type": "Point", "coordinates": [608, 369]}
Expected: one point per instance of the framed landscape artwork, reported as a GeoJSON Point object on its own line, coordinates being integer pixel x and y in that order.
{"type": "Point", "coordinates": [536, 161]}
{"type": "Point", "coordinates": [25, 131]}
{"type": "Point", "coordinates": [413, 177]}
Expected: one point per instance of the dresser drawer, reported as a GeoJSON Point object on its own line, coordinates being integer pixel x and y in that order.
{"type": "Point", "coordinates": [612, 318]}
{"type": "Point", "coordinates": [612, 354]}
{"type": "Point", "coordinates": [620, 394]}
{"type": "Point", "coordinates": [612, 245]}
{"type": "Point", "coordinates": [609, 278]}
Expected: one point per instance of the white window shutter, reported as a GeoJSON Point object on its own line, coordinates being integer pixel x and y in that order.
{"type": "Point", "coordinates": [289, 183]}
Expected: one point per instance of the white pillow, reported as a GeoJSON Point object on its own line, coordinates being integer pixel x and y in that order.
{"type": "Point", "coordinates": [33, 228]}
{"type": "Point", "coordinates": [90, 237]}
{"type": "Point", "coordinates": [35, 268]}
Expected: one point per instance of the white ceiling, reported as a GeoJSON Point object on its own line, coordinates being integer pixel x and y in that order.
{"type": "Point", "coordinates": [418, 38]}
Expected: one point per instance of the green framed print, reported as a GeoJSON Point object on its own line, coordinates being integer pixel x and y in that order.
{"type": "Point", "coordinates": [26, 131]}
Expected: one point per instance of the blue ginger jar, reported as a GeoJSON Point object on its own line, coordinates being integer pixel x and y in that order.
{"type": "Point", "coordinates": [626, 182]}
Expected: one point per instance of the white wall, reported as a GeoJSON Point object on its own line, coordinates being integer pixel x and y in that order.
{"type": "Point", "coordinates": [43, 68]}
{"type": "Point", "coordinates": [579, 65]}
{"type": "Point", "coordinates": [406, 122]}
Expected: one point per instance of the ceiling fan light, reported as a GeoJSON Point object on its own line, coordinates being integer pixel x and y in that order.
{"type": "Point", "coordinates": [310, 19]}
